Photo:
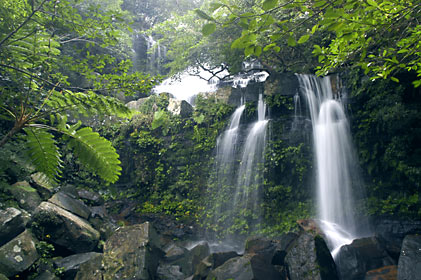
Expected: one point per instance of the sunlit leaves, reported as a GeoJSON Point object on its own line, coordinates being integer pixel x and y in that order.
{"type": "Point", "coordinates": [208, 28]}
{"type": "Point", "coordinates": [203, 15]}
{"type": "Point", "coordinates": [269, 4]}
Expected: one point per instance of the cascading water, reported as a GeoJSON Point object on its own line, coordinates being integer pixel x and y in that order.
{"type": "Point", "coordinates": [249, 179]}
{"type": "Point", "coordinates": [335, 160]}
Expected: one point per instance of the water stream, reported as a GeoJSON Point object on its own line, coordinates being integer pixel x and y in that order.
{"type": "Point", "coordinates": [335, 161]}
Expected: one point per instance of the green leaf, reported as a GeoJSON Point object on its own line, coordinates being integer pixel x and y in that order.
{"type": "Point", "coordinates": [291, 41]}
{"type": "Point", "coordinates": [303, 39]}
{"type": "Point", "coordinates": [43, 152]}
{"type": "Point", "coordinates": [269, 4]}
{"type": "Point", "coordinates": [394, 79]}
{"type": "Point", "coordinates": [257, 51]}
{"type": "Point", "coordinates": [208, 29]}
{"type": "Point", "coordinates": [248, 51]}
{"type": "Point", "coordinates": [199, 119]}
{"type": "Point", "coordinates": [215, 6]}
{"type": "Point", "coordinates": [372, 3]}
{"type": "Point", "coordinates": [96, 153]}
{"type": "Point", "coordinates": [203, 15]}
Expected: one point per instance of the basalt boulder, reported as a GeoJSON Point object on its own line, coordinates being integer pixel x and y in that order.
{"type": "Point", "coordinates": [11, 224]}
{"type": "Point", "coordinates": [409, 266]}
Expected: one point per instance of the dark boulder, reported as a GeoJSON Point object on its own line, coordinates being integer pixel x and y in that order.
{"type": "Point", "coordinates": [391, 233]}
{"type": "Point", "coordinates": [64, 228]}
{"type": "Point", "coordinates": [47, 275]}
{"type": "Point", "coordinates": [211, 262]}
{"type": "Point", "coordinates": [26, 196]}
{"type": "Point", "coordinates": [18, 254]}
{"type": "Point", "coordinates": [309, 258]}
{"type": "Point", "coordinates": [238, 268]}
{"type": "Point", "coordinates": [92, 198]}
{"type": "Point", "coordinates": [71, 204]}
{"type": "Point", "coordinates": [71, 264]}
{"type": "Point", "coordinates": [409, 266]}
{"type": "Point", "coordinates": [170, 272]}
{"type": "Point", "coordinates": [91, 269]}
{"type": "Point", "coordinates": [42, 184]}
{"type": "Point", "coordinates": [362, 255]}
{"type": "Point", "coordinates": [11, 224]}
{"type": "Point", "coordinates": [132, 252]}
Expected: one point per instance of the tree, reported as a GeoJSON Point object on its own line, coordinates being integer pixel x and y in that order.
{"type": "Point", "coordinates": [380, 36]}
{"type": "Point", "coordinates": [44, 42]}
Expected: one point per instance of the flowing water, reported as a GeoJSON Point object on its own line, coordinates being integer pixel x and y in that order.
{"type": "Point", "coordinates": [335, 161]}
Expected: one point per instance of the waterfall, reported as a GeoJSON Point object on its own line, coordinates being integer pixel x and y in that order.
{"type": "Point", "coordinates": [335, 161]}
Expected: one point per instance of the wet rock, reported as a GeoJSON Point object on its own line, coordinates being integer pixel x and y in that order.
{"type": "Point", "coordinates": [170, 272]}
{"type": "Point", "coordinates": [211, 262]}
{"type": "Point", "coordinates": [132, 252]}
{"type": "Point", "coordinates": [257, 244]}
{"type": "Point", "coordinates": [42, 184]}
{"type": "Point", "coordinates": [197, 254]}
{"type": "Point", "coordinates": [91, 269]}
{"type": "Point", "coordinates": [392, 232]}
{"type": "Point", "coordinates": [64, 228]}
{"type": "Point", "coordinates": [3, 277]}
{"type": "Point", "coordinates": [309, 258]}
{"type": "Point", "coordinates": [409, 266]}
{"type": "Point", "coordinates": [174, 252]}
{"type": "Point", "coordinates": [46, 275]}
{"type": "Point", "coordinates": [71, 264]}
{"type": "Point", "coordinates": [11, 224]}
{"type": "Point", "coordinates": [73, 205]}
{"type": "Point", "coordinates": [26, 196]}
{"type": "Point", "coordinates": [18, 254]}
{"type": "Point", "coordinates": [238, 268]}
{"type": "Point", "coordinates": [281, 248]}
{"type": "Point", "coordinates": [92, 198]}
{"type": "Point", "coordinates": [384, 273]}
{"type": "Point", "coordinates": [362, 255]}
{"type": "Point", "coordinates": [180, 107]}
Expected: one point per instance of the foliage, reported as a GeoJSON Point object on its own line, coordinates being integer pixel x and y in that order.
{"type": "Point", "coordinates": [380, 36]}
{"type": "Point", "coordinates": [57, 59]}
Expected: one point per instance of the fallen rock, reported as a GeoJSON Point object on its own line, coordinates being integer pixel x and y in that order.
{"type": "Point", "coordinates": [180, 107]}
{"type": "Point", "coordinates": [11, 224]}
{"type": "Point", "coordinates": [71, 264]}
{"type": "Point", "coordinates": [362, 255]}
{"type": "Point", "coordinates": [384, 273]}
{"type": "Point", "coordinates": [64, 228]}
{"type": "Point", "coordinates": [46, 275]}
{"type": "Point", "coordinates": [42, 184]}
{"type": "Point", "coordinates": [91, 269]}
{"type": "Point", "coordinates": [211, 262]}
{"type": "Point", "coordinates": [197, 254]}
{"type": "Point", "coordinates": [309, 258]}
{"type": "Point", "coordinates": [238, 268]}
{"type": "Point", "coordinates": [3, 277]}
{"type": "Point", "coordinates": [409, 266]}
{"type": "Point", "coordinates": [132, 252]}
{"type": "Point", "coordinates": [73, 205]}
{"type": "Point", "coordinates": [170, 272]}
{"type": "Point", "coordinates": [92, 198]}
{"type": "Point", "coordinates": [26, 196]}
{"type": "Point", "coordinates": [18, 254]}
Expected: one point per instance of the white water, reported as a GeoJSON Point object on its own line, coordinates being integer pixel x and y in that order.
{"type": "Point", "coordinates": [335, 161]}
{"type": "Point", "coordinates": [249, 179]}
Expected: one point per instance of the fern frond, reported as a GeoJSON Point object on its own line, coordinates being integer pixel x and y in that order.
{"type": "Point", "coordinates": [96, 152]}
{"type": "Point", "coordinates": [88, 103]}
{"type": "Point", "coordinates": [43, 152]}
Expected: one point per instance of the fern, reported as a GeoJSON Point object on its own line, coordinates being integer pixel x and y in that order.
{"type": "Point", "coordinates": [43, 152]}
{"type": "Point", "coordinates": [96, 152]}
{"type": "Point", "coordinates": [87, 103]}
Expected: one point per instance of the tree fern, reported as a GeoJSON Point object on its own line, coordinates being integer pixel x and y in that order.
{"type": "Point", "coordinates": [43, 152]}
{"type": "Point", "coordinates": [96, 152]}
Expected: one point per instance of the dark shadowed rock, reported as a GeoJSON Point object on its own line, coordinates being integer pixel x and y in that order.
{"type": "Point", "coordinates": [211, 262]}
{"type": "Point", "coordinates": [238, 268]}
{"type": "Point", "coordinates": [26, 196]}
{"type": "Point", "coordinates": [11, 224]}
{"type": "Point", "coordinates": [174, 252]}
{"type": "Point", "coordinates": [71, 204]}
{"type": "Point", "coordinates": [64, 228]}
{"type": "Point", "coordinates": [170, 272]}
{"type": "Point", "coordinates": [409, 267]}
{"type": "Point", "coordinates": [281, 248]}
{"type": "Point", "coordinates": [18, 254]}
{"type": "Point", "coordinates": [392, 232]}
{"type": "Point", "coordinates": [197, 254]}
{"type": "Point", "coordinates": [92, 198]}
{"type": "Point", "coordinates": [132, 252]}
{"type": "Point", "coordinates": [71, 264]}
{"type": "Point", "coordinates": [384, 273]}
{"type": "Point", "coordinates": [309, 258]}
{"type": "Point", "coordinates": [91, 269]}
{"type": "Point", "coordinates": [42, 184]}
{"type": "Point", "coordinates": [362, 255]}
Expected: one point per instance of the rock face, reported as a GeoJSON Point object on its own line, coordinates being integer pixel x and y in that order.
{"type": "Point", "coordinates": [71, 264]}
{"type": "Point", "coordinates": [409, 266]}
{"type": "Point", "coordinates": [42, 184]}
{"type": "Point", "coordinates": [132, 252]}
{"type": "Point", "coordinates": [71, 204]}
{"type": "Point", "coordinates": [180, 107]}
{"type": "Point", "coordinates": [238, 268]}
{"type": "Point", "coordinates": [18, 254]}
{"type": "Point", "coordinates": [309, 258]}
{"type": "Point", "coordinates": [93, 198]}
{"type": "Point", "coordinates": [362, 255]}
{"type": "Point", "coordinates": [26, 196]}
{"type": "Point", "coordinates": [91, 269]}
{"type": "Point", "coordinates": [64, 228]}
{"type": "Point", "coordinates": [212, 261]}
{"type": "Point", "coordinates": [11, 224]}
